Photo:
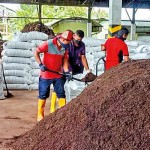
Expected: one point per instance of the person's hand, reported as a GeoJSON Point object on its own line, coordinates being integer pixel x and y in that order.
{"type": "Point", "coordinates": [42, 67]}
{"type": "Point", "coordinates": [88, 71]}
{"type": "Point", "coordinates": [68, 75]}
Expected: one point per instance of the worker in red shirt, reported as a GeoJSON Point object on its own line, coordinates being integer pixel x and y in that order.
{"type": "Point", "coordinates": [116, 49]}
{"type": "Point", "coordinates": [55, 58]}
{"type": "Point", "coordinates": [77, 62]}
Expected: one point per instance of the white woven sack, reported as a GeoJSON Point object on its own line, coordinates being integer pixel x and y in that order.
{"type": "Point", "coordinates": [89, 56]}
{"type": "Point", "coordinates": [35, 72]}
{"type": "Point", "coordinates": [132, 43]}
{"type": "Point", "coordinates": [100, 67]}
{"type": "Point", "coordinates": [16, 66]}
{"type": "Point", "coordinates": [143, 49]}
{"type": "Point", "coordinates": [18, 45]}
{"type": "Point", "coordinates": [37, 42]}
{"type": "Point", "coordinates": [89, 41]}
{"type": "Point", "coordinates": [141, 56]}
{"type": "Point", "coordinates": [17, 73]}
{"type": "Point", "coordinates": [131, 50]}
{"type": "Point", "coordinates": [17, 53]}
{"type": "Point", "coordinates": [99, 73]}
{"type": "Point", "coordinates": [34, 79]}
{"type": "Point", "coordinates": [33, 86]}
{"type": "Point", "coordinates": [17, 80]}
{"type": "Point", "coordinates": [88, 49]}
{"type": "Point", "coordinates": [131, 54]}
{"type": "Point", "coordinates": [17, 86]}
{"type": "Point", "coordinates": [98, 54]}
{"type": "Point", "coordinates": [16, 36]}
{"type": "Point", "coordinates": [19, 60]}
{"type": "Point", "coordinates": [96, 60]}
{"type": "Point", "coordinates": [34, 65]}
{"type": "Point", "coordinates": [33, 35]}
{"type": "Point", "coordinates": [95, 49]}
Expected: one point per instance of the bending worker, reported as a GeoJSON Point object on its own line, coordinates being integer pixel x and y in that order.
{"type": "Point", "coordinates": [77, 61]}
{"type": "Point", "coordinates": [116, 48]}
{"type": "Point", "coordinates": [55, 58]}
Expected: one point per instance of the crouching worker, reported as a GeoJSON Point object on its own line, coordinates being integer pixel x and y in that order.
{"type": "Point", "coordinates": [55, 58]}
{"type": "Point", "coordinates": [77, 62]}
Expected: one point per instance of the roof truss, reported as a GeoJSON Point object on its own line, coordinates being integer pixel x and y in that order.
{"type": "Point", "coordinates": [95, 3]}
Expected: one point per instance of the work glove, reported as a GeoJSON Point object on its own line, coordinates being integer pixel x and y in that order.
{"type": "Point", "coordinates": [68, 75]}
{"type": "Point", "coordinates": [42, 67]}
{"type": "Point", "coordinates": [88, 71]}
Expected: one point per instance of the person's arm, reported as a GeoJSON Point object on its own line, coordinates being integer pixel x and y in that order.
{"type": "Point", "coordinates": [40, 49]}
{"type": "Point", "coordinates": [103, 47]}
{"type": "Point", "coordinates": [126, 53]}
{"type": "Point", "coordinates": [85, 63]}
{"type": "Point", "coordinates": [84, 60]}
{"type": "Point", "coordinates": [66, 62]}
{"type": "Point", "coordinates": [126, 58]}
{"type": "Point", "coordinates": [37, 56]}
{"type": "Point", "coordinates": [65, 65]}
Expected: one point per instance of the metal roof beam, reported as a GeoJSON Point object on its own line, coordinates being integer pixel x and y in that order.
{"type": "Point", "coordinates": [97, 3]}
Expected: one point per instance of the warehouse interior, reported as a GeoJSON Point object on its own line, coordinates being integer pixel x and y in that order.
{"type": "Point", "coordinates": [110, 112]}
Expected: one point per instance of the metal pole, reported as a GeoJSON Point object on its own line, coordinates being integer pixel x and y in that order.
{"type": "Point", "coordinates": [133, 25]}
{"type": "Point", "coordinates": [39, 11]}
{"type": "Point", "coordinates": [89, 24]}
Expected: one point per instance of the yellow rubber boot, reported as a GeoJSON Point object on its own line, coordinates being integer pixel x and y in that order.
{"type": "Point", "coordinates": [61, 102]}
{"type": "Point", "coordinates": [53, 102]}
{"type": "Point", "coordinates": [41, 105]}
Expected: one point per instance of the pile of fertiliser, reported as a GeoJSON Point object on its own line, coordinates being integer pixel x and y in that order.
{"type": "Point", "coordinates": [40, 27]}
{"type": "Point", "coordinates": [112, 113]}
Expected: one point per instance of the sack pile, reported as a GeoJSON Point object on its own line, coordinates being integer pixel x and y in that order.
{"type": "Point", "coordinates": [20, 68]}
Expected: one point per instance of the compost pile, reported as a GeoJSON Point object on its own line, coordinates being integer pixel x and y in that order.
{"type": "Point", "coordinates": [38, 26]}
{"type": "Point", "coordinates": [112, 113]}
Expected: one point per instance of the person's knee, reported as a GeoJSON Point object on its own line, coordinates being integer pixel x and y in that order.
{"type": "Point", "coordinates": [43, 96]}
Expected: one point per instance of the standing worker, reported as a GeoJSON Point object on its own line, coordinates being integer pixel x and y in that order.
{"type": "Point", "coordinates": [55, 58]}
{"type": "Point", "coordinates": [77, 61]}
{"type": "Point", "coordinates": [116, 48]}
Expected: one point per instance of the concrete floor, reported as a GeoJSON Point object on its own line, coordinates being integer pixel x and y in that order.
{"type": "Point", "coordinates": [18, 114]}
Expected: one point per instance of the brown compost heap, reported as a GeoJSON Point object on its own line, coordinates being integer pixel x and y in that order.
{"type": "Point", "coordinates": [112, 113]}
{"type": "Point", "coordinates": [38, 26]}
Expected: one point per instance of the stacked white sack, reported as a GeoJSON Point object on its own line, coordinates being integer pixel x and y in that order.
{"type": "Point", "coordinates": [16, 62]}
{"type": "Point", "coordinates": [139, 49]}
{"type": "Point", "coordinates": [93, 54]}
{"type": "Point", "coordinates": [35, 38]}
{"type": "Point", "coordinates": [17, 59]}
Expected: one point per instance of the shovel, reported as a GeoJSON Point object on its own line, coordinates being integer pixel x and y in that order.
{"type": "Point", "coordinates": [88, 78]}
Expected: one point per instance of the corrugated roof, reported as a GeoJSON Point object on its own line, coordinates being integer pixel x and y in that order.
{"type": "Point", "coordinates": [128, 23]}
{"type": "Point", "coordinates": [94, 23]}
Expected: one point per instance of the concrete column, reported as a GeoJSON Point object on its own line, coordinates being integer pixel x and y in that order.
{"type": "Point", "coordinates": [89, 29]}
{"type": "Point", "coordinates": [133, 26]}
{"type": "Point", "coordinates": [133, 32]}
{"type": "Point", "coordinates": [40, 12]}
{"type": "Point", "coordinates": [89, 24]}
{"type": "Point", "coordinates": [115, 7]}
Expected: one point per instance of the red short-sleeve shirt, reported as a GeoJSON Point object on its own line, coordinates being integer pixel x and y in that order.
{"type": "Point", "coordinates": [52, 58]}
{"type": "Point", "coordinates": [115, 50]}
